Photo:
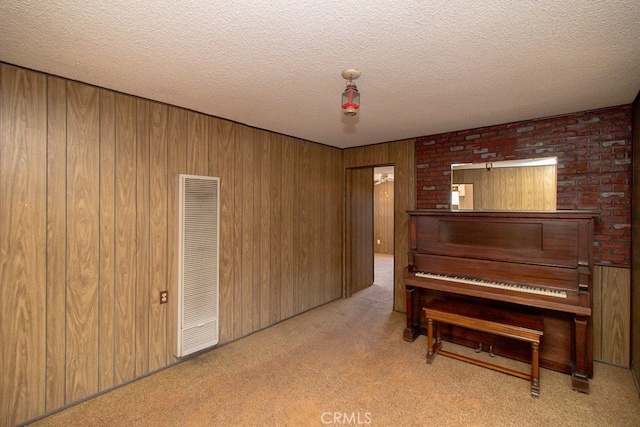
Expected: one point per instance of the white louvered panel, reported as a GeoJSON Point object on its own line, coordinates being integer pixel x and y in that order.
{"type": "Point", "coordinates": [198, 264]}
{"type": "Point", "coordinates": [199, 308]}
{"type": "Point", "coordinates": [198, 336]}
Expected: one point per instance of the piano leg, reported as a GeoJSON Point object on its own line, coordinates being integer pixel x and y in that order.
{"type": "Point", "coordinates": [413, 324]}
{"type": "Point", "coordinates": [580, 377]}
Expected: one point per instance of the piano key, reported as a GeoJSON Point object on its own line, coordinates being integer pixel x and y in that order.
{"type": "Point", "coordinates": [497, 285]}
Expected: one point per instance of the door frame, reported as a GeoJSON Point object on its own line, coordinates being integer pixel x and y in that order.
{"type": "Point", "coordinates": [348, 288]}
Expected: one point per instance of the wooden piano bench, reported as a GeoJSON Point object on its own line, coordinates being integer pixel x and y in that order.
{"type": "Point", "coordinates": [520, 326]}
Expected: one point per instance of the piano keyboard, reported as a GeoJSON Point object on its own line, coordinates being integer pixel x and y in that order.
{"type": "Point", "coordinates": [497, 285]}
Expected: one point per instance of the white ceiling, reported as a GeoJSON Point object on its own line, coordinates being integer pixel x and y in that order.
{"type": "Point", "coordinates": [427, 66]}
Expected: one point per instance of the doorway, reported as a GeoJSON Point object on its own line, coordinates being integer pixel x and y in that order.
{"type": "Point", "coordinates": [383, 219]}
{"type": "Point", "coordinates": [369, 240]}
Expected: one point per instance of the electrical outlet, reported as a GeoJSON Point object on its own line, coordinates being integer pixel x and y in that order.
{"type": "Point", "coordinates": [164, 296]}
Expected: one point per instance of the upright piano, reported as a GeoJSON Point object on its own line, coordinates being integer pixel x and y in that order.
{"type": "Point", "coordinates": [529, 262]}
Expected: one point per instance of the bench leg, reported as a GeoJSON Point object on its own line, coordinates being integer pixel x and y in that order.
{"type": "Point", "coordinates": [433, 346]}
{"type": "Point", "coordinates": [535, 381]}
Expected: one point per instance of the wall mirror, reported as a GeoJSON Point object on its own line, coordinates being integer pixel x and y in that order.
{"type": "Point", "coordinates": [510, 185]}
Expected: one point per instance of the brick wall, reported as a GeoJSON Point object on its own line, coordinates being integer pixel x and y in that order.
{"type": "Point", "coordinates": [594, 167]}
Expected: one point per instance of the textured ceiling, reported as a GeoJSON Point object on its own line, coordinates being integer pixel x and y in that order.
{"type": "Point", "coordinates": [427, 66]}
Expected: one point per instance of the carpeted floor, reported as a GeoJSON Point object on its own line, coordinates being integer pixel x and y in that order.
{"type": "Point", "coordinates": [345, 363]}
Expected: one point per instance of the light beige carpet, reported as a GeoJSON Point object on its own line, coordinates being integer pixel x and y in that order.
{"type": "Point", "coordinates": [345, 363]}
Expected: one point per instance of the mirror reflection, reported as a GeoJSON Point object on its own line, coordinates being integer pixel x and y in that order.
{"type": "Point", "coordinates": [511, 185]}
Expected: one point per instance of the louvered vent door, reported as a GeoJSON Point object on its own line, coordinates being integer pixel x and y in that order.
{"type": "Point", "coordinates": [198, 244]}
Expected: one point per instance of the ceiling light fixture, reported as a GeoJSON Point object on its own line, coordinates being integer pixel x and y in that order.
{"type": "Point", "coordinates": [350, 96]}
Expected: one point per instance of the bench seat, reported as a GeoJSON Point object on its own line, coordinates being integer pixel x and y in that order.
{"type": "Point", "coordinates": [510, 324]}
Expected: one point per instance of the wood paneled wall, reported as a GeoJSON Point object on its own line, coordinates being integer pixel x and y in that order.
{"type": "Point", "coordinates": [611, 314]}
{"type": "Point", "coordinates": [400, 154]}
{"type": "Point", "coordinates": [383, 218]}
{"type": "Point", "coordinates": [88, 229]}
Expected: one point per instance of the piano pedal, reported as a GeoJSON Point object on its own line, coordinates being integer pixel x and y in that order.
{"type": "Point", "coordinates": [491, 353]}
{"type": "Point", "coordinates": [479, 349]}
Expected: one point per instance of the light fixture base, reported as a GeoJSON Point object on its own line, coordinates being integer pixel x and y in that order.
{"type": "Point", "coordinates": [350, 74]}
